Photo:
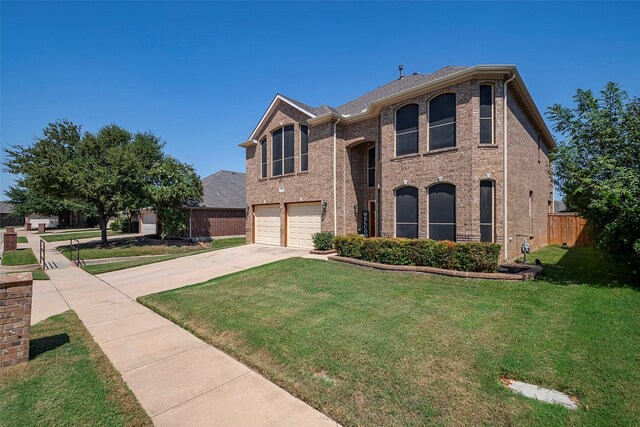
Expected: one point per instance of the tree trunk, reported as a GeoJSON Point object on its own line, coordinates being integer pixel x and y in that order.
{"type": "Point", "coordinates": [103, 228]}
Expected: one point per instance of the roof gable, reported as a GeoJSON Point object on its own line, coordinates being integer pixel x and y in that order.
{"type": "Point", "coordinates": [304, 108]}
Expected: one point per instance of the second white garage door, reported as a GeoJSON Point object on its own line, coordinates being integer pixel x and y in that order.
{"type": "Point", "coordinates": [303, 220]}
{"type": "Point", "coordinates": [267, 224]}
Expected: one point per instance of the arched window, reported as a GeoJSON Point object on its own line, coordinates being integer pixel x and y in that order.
{"type": "Point", "coordinates": [407, 212]}
{"type": "Point", "coordinates": [283, 151]}
{"type": "Point", "coordinates": [442, 212]}
{"type": "Point", "coordinates": [442, 121]}
{"type": "Point", "coordinates": [407, 130]}
{"type": "Point", "coordinates": [486, 211]}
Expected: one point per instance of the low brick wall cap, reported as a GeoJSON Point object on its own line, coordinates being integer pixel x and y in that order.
{"type": "Point", "coordinates": [15, 279]}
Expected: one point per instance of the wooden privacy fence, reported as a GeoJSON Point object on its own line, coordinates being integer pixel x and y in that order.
{"type": "Point", "coordinates": [567, 228]}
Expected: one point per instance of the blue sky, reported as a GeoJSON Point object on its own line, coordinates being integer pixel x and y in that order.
{"type": "Point", "coordinates": [201, 74]}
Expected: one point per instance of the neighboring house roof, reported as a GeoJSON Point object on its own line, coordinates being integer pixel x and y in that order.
{"type": "Point", "coordinates": [5, 208]}
{"type": "Point", "coordinates": [559, 206]}
{"type": "Point", "coordinates": [368, 105]}
{"type": "Point", "coordinates": [225, 190]}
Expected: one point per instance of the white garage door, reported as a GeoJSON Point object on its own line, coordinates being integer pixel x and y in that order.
{"type": "Point", "coordinates": [149, 223]}
{"type": "Point", "coordinates": [303, 220]}
{"type": "Point", "coordinates": [267, 223]}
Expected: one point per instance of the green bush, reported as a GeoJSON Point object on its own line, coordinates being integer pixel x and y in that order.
{"type": "Point", "coordinates": [323, 241]}
{"type": "Point", "coordinates": [472, 256]}
{"type": "Point", "coordinates": [121, 223]}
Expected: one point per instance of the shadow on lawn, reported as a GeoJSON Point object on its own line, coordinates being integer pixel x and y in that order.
{"type": "Point", "coordinates": [587, 266]}
{"type": "Point", "coordinates": [42, 345]}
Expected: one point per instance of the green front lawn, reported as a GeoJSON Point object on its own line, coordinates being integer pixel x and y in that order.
{"type": "Point", "coordinates": [382, 348]}
{"type": "Point", "coordinates": [22, 239]}
{"type": "Point", "coordinates": [59, 237]}
{"type": "Point", "coordinates": [68, 381]}
{"type": "Point", "coordinates": [129, 250]}
{"type": "Point", "coordinates": [19, 257]}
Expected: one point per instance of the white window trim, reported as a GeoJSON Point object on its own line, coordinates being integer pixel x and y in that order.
{"type": "Point", "coordinates": [493, 114]}
{"type": "Point", "coordinates": [429, 127]}
{"type": "Point", "coordinates": [396, 133]}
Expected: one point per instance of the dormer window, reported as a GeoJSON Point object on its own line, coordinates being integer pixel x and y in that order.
{"type": "Point", "coordinates": [407, 130]}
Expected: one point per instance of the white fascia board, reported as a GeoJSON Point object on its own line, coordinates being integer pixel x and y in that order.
{"type": "Point", "coordinates": [275, 101]}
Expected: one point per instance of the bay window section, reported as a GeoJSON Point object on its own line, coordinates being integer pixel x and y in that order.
{"type": "Point", "coordinates": [304, 148]}
{"type": "Point", "coordinates": [407, 212]}
{"type": "Point", "coordinates": [407, 130]}
{"type": "Point", "coordinates": [263, 153]}
{"type": "Point", "coordinates": [442, 212]}
{"type": "Point", "coordinates": [283, 158]}
{"type": "Point", "coordinates": [486, 114]}
{"type": "Point", "coordinates": [442, 121]}
{"type": "Point", "coordinates": [276, 150]}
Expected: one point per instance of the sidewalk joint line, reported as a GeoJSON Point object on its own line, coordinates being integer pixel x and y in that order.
{"type": "Point", "coordinates": [164, 358]}
{"type": "Point", "coordinates": [138, 333]}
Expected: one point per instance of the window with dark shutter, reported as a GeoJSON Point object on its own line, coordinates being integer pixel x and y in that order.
{"type": "Point", "coordinates": [263, 151]}
{"type": "Point", "coordinates": [442, 121]}
{"type": "Point", "coordinates": [407, 212]}
{"type": "Point", "coordinates": [486, 211]}
{"type": "Point", "coordinates": [371, 167]}
{"type": "Point", "coordinates": [442, 212]}
{"type": "Point", "coordinates": [486, 114]}
{"type": "Point", "coordinates": [304, 148]}
{"type": "Point", "coordinates": [407, 130]}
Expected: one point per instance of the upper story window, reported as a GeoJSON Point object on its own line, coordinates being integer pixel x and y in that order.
{"type": "Point", "coordinates": [442, 212]}
{"type": "Point", "coordinates": [442, 121]}
{"type": "Point", "coordinates": [283, 151]}
{"type": "Point", "coordinates": [407, 130]}
{"type": "Point", "coordinates": [407, 212]}
{"type": "Point", "coordinates": [371, 167]}
{"type": "Point", "coordinates": [304, 148]}
{"type": "Point", "coordinates": [486, 114]}
{"type": "Point", "coordinates": [263, 153]}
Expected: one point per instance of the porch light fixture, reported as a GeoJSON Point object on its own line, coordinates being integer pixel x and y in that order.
{"type": "Point", "coordinates": [324, 206]}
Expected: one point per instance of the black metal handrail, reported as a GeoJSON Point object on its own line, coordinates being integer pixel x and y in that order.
{"type": "Point", "coordinates": [42, 255]}
{"type": "Point", "coordinates": [75, 248]}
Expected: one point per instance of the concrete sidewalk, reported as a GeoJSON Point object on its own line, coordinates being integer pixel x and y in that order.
{"type": "Point", "coordinates": [178, 378]}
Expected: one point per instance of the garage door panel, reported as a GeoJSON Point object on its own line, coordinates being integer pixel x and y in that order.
{"type": "Point", "coordinates": [303, 220]}
{"type": "Point", "coordinates": [149, 220]}
{"type": "Point", "coordinates": [267, 224]}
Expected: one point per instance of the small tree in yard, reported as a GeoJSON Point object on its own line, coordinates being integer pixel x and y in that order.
{"type": "Point", "coordinates": [108, 170]}
{"type": "Point", "coordinates": [174, 186]}
{"type": "Point", "coordinates": [597, 165]}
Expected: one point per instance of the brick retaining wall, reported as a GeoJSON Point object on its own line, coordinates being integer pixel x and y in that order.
{"type": "Point", "coordinates": [15, 317]}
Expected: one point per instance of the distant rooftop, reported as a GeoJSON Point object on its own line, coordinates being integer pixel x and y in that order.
{"type": "Point", "coordinates": [225, 189]}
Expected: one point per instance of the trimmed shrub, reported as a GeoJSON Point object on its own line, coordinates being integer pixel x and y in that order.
{"type": "Point", "coordinates": [323, 241]}
{"type": "Point", "coordinates": [472, 256]}
{"type": "Point", "coordinates": [349, 245]}
{"type": "Point", "coordinates": [121, 223]}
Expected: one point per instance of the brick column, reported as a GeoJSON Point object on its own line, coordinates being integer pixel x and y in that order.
{"type": "Point", "coordinates": [41, 228]}
{"type": "Point", "coordinates": [10, 239]}
{"type": "Point", "coordinates": [15, 317]}
{"type": "Point", "coordinates": [27, 226]}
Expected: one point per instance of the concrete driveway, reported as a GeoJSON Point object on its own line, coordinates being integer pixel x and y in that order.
{"type": "Point", "coordinates": [176, 273]}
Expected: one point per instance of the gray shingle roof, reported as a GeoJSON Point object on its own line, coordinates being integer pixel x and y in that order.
{"type": "Point", "coordinates": [396, 86]}
{"type": "Point", "coordinates": [5, 208]}
{"type": "Point", "coordinates": [225, 189]}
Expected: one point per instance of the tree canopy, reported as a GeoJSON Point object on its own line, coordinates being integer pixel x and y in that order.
{"type": "Point", "coordinates": [597, 165]}
{"type": "Point", "coordinates": [110, 170]}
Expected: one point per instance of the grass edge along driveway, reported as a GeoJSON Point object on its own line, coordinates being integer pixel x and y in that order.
{"type": "Point", "coordinates": [217, 244]}
{"type": "Point", "coordinates": [376, 348]}
{"type": "Point", "coordinates": [67, 381]}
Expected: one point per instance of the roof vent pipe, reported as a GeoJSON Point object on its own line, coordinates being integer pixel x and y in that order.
{"type": "Point", "coordinates": [400, 68]}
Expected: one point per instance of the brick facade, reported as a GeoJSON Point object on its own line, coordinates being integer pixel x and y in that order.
{"type": "Point", "coordinates": [10, 239]}
{"type": "Point", "coordinates": [15, 318]}
{"type": "Point", "coordinates": [464, 166]}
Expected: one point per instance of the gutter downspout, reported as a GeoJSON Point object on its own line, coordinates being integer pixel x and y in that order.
{"type": "Point", "coordinates": [335, 206]}
{"type": "Point", "coordinates": [505, 108]}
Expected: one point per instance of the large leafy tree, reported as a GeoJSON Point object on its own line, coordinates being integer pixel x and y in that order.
{"type": "Point", "coordinates": [174, 186]}
{"type": "Point", "coordinates": [26, 202]}
{"type": "Point", "coordinates": [108, 170]}
{"type": "Point", "coordinates": [597, 165]}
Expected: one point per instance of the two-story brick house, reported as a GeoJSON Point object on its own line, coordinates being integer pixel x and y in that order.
{"type": "Point", "coordinates": [432, 156]}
